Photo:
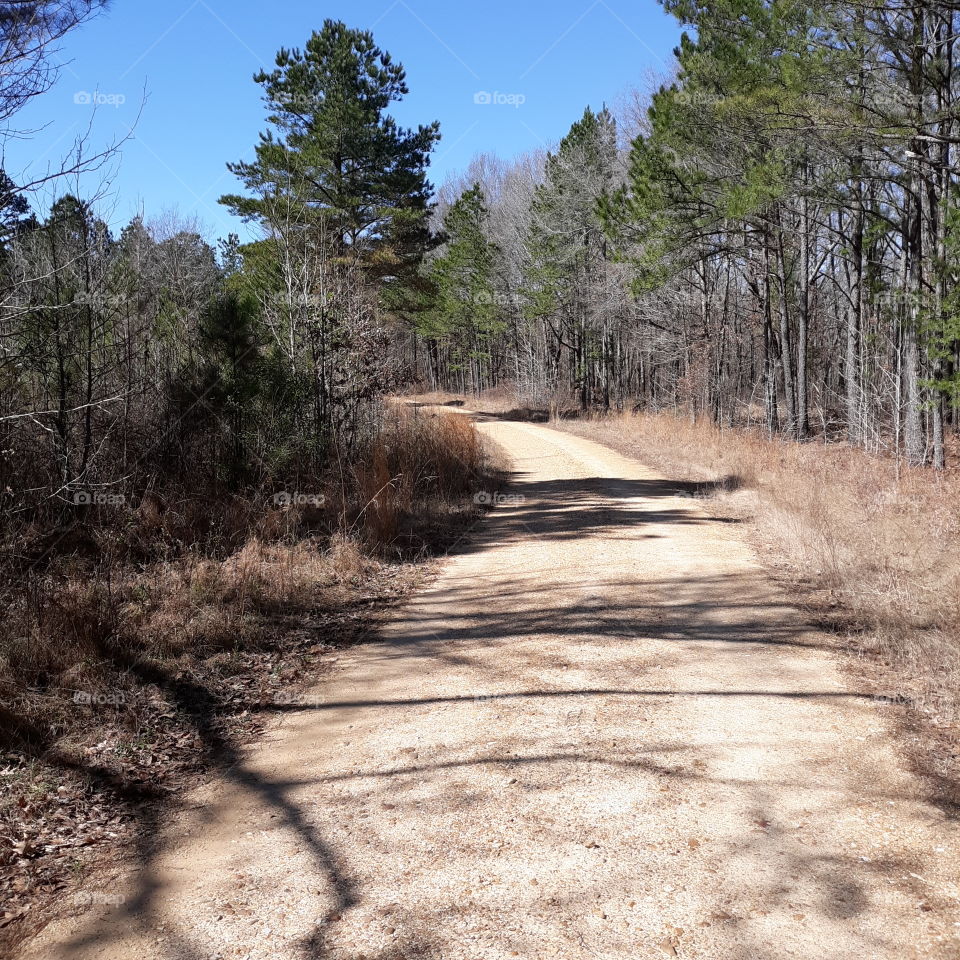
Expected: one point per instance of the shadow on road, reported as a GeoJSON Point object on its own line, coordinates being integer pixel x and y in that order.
{"type": "Point", "coordinates": [727, 614]}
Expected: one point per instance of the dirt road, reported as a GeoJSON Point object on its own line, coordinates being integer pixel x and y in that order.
{"type": "Point", "coordinates": [601, 733]}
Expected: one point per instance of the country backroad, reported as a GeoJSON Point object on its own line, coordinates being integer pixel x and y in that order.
{"type": "Point", "coordinates": [601, 732]}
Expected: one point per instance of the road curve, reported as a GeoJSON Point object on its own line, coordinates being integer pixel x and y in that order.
{"type": "Point", "coordinates": [602, 732]}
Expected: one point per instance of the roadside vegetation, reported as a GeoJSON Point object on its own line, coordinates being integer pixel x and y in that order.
{"type": "Point", "coordinates": [205, 488]}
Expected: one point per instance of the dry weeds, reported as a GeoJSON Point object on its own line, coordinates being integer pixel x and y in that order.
{"type": "Point", "coordinates": [135, 644]}
{"type": "Point", "coordinates": [420, 467]}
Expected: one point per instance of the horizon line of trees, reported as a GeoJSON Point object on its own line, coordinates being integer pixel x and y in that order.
{"type": "Point", "coordinates": [778, 242]}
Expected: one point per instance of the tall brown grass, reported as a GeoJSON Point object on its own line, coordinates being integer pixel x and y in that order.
{"type": "Point", "coordinates": [879, 545]}
{"type": "Point", "coordinates": [420, 467]}
{"type": "Point", "coordinates": [178, 579]}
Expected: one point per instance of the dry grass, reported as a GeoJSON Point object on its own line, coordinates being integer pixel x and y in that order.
{"type": "Point", "coordinates": [873, 549]}
{"type": "Point", "coordinates": [91, 637]}
{"type": "Point", "coordinates": [417, 474]}
{"type": "Point", "coordinates": [132, 592]}
{"type": "Point", "coordinates": [185, 578]}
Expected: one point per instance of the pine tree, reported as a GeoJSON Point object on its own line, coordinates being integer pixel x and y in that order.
{"type": "Point", "coordinates": [567, 276]}
{"type": "Point", "coordinates": [333, 151]}
{"type": "Point", "coordinates": [464, 313]}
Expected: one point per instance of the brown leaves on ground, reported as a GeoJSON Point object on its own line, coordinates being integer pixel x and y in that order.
{"type": "Point", "coordinates": [127, 741]}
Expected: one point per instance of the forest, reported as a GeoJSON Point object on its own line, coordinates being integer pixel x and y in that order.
{"type": "Point", "coordinates": [772, 240]}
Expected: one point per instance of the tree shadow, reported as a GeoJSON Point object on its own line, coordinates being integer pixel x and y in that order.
{"type": "Point", "coordinates": [225, 760]}
{"type": "Point", "coordinates": [571, 509]}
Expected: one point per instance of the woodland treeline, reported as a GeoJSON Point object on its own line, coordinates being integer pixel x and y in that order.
{"type": "Point", "coordinates": [775, 240]}
{"type": "Point", "coordinates": [151, 362]}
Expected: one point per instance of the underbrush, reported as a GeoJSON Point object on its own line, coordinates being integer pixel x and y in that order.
{"type": "Point", "coordinates": [418, 472]}
{"type": "Point", "coordinates": [138, 641]}
{"type": "Point", "coordinates": [871, 548]}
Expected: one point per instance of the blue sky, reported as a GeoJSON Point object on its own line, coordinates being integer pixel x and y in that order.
{"type": "Point", "coordinates": [186, 66]}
